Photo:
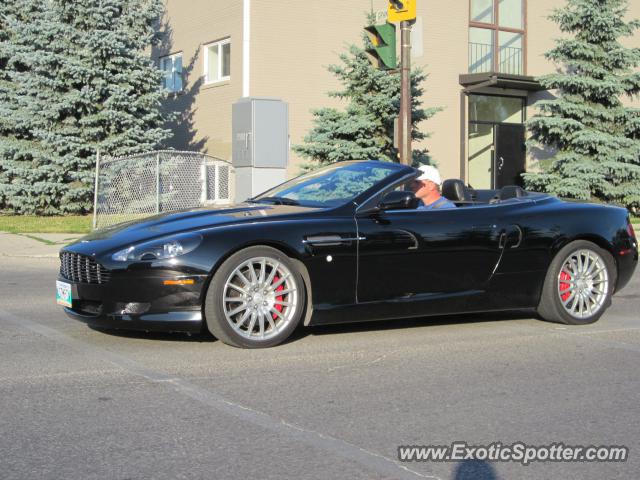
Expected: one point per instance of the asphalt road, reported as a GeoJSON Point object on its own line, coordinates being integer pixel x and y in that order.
{"type": "Point", "coordinates": [335, 402]}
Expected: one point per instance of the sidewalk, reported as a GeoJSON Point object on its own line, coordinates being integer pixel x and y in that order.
{"type": "Point", "coordinates": [35, 245]}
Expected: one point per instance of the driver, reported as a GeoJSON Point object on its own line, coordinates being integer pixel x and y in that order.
{"type": "Point", "coordinates": [427, 189]}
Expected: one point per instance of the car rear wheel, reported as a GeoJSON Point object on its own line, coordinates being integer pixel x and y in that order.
{"type": "Point", "coordinates": [579, 284]}
{"type": "Point", "coordinates": [256, 299]}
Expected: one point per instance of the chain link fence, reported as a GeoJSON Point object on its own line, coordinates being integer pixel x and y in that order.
{"type": "Point", "coordinates": [137, 186]}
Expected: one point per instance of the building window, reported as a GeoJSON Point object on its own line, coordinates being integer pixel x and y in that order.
{"type": "Point", "coordinates": [217, 183]}
{"type": "Point", "coordinates": [172, 67]}
{"type": "Point", "coordinates": [217, 61]}
{"type": "Point", "coordinates": [495, 109]}
{"type": "Point", "coordinates": [497, 36]}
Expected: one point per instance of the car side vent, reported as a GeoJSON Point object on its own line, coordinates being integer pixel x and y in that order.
{"type": "Point", "coordinates": [82, 269]}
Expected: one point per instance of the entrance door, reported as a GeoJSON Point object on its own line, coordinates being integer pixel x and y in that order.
{"type": "Point", "coordinates": [496, 141]}
{"type": "Point", "coordinates": [510, 155]}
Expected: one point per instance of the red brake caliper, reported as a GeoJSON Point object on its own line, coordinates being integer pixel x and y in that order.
{"type": "Point", "coordinates": [565, 278]}
{"type": "Point", "coordinates": [277, 306]}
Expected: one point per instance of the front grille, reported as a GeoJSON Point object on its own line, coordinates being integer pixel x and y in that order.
{"type": "Point", "coordinates": [82, 269]}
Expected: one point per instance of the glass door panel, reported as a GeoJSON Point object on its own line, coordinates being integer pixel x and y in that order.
{"type": "Point", "coordinates": [511, 14]}
{"type": "Point", "coordinates": [480, 50]}
{"type": "Point", "coordinates": [482, 11]}
{"type": "Point", "coordinates": [490, 108]}
{"type": "Point", "coordinates": [481, 155]}
{"type": "Point", "coordinates": [510, 50]}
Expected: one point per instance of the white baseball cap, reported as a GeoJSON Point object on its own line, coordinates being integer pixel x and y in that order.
{"type": "Point", "coordinates": [429, 173]}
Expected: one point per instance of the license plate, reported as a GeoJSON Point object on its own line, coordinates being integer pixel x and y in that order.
{"type": "Point", "coordinates": [63, 294]}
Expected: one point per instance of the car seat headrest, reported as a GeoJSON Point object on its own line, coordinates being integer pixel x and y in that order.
{"type": "Point", "coordinates": [454, 190]}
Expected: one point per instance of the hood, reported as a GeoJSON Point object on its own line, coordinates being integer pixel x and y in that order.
{"type": "Point", "coordinates": [169, 223]}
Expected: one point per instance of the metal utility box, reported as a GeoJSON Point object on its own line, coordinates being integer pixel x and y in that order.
{"type": "Point", "coordinates": [260, 153]}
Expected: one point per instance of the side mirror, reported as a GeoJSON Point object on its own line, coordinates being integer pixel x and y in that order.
{"type": "Point", "coordinates": [399, 200]}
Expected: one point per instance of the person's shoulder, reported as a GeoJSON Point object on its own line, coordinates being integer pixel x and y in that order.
{"type": "Point", "coordinates": [443, 203]}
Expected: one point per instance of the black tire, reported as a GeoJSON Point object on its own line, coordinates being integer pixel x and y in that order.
{"type": "Point", "coordinates": [551, 306]}
{"type": "Point", "coordinates": [220, 325]}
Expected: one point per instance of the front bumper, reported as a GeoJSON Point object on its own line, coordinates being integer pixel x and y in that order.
{"type": "Point", "coordinates": [133, 302]}
{"type": "Point", "coordinates": [181, 321]}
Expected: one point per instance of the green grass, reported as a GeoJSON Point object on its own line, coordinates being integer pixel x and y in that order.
{"type": "Point", "coordinates": [33, 224]}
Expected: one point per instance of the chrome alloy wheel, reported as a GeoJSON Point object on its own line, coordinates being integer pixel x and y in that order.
{"type": "Point", "coordinates": [583, 283]}
{"type": "Point", "coordinates": [260, 298]}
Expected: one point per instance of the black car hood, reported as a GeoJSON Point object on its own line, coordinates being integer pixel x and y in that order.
{"type": "Point", "coordinates": [170, 223]}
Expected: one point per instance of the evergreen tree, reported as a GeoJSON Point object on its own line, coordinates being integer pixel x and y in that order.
{"type": "Point", "coordinates": [595, 137]}
{"type": "Point", "coordinates": [27, 36]}
{"type": "Point", "coordinates": [364, 130]}
{"type": "Point", "coordinates": [81, 80]}
{"type": "Point", "coordinates": [8, 11]}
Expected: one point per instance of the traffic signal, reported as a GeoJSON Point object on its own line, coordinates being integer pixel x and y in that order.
{"type": "Point", "coordinates": [383, 39]}
{"type": "Point", "coordinates": [400, 10]}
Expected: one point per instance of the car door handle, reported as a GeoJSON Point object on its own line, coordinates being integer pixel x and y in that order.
{"type": "Point", "coordinates": [519, 230]}
{"type": "Point", "coordinates": [506, 237]}
{"type": "Point", "coordinates": [330, 240]}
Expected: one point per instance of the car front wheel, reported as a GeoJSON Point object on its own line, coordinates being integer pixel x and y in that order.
{"type": "Point", "coordinates": [256, 299]}
{"type": "Point", "coordinates": [579, 284]}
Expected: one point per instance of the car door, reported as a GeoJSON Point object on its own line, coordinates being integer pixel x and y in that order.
{"type": "Point", "coordinates": [426, 255]}
{"type": "Point", "coordinates": [525, 259]}
{"type": "Point", "coordinates": [331, 259]}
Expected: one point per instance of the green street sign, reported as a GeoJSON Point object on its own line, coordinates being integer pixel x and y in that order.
{"type": "Point", "coordinates": [383, 53]}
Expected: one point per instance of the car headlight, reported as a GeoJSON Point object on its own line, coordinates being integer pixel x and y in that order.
{"type": "Point", "coordinates": [159, 249]}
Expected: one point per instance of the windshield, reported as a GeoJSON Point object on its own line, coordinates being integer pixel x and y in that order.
{"type": "Point", "coordinates": [330, 186]}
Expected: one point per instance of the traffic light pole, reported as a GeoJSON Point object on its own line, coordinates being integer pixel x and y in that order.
{"type": "Point", "coordinates": [404, 122]}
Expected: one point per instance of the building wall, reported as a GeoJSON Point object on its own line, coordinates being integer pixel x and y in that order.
{"type": "Point", "coordinates": [291, 47]}
{"type": "Point", "coordinates": [205, 110]}
{"type": "Point", "coordinates": [445, 45]}
{"type": "Point", "coordinates": [542, 33]}
{"type": "Point", "coordinates": [293, 42]}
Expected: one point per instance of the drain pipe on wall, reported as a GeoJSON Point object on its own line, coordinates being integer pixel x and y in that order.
{"type": "Point", "coordinates": [246, 46]}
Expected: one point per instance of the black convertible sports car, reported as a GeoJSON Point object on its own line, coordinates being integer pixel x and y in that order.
{"type": "Point", "coordinates": [346, 244]}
